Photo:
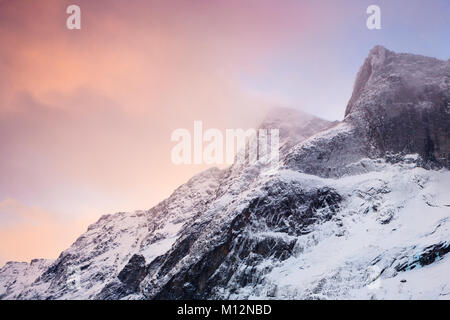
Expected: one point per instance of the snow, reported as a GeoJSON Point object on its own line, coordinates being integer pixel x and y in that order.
{"type": "Point", "coordinates": [160, 247]}
{"type": "Point", "coordinates": [430, 282]}
{"type": "Point", "coordinates": [388, 216]}
{"type": "Point", "coordinates": [326, 256]}
{"type": "Point", "coordinates": [16, 276]}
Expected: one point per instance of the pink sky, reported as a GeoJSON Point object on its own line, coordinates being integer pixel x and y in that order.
{"type": "Point", "coordinates": [86, 116]}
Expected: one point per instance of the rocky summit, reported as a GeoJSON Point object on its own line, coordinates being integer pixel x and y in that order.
{"type": "Point", "coordinates": [357, 209]}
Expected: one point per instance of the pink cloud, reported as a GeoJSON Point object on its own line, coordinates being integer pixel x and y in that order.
{"type": "Point", "coordinates": [86, 116]}
{"type": "Point", "coordinates": [27, 230]}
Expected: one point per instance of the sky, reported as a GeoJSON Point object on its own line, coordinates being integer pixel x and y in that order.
{"type": "Point", "coordinates": [86, 115]}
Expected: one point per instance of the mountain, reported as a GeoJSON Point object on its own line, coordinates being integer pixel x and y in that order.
{"type": "Point", "coordinates": [16, 276]}
{"type": "Point", "coordinates": [357, 209]}
{"type": "Point", "coordinates": [400, 105]}
{"type": "Point", "coordinates": [403, 101]}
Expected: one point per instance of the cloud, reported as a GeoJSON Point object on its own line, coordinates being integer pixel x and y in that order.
{"type": "Point", "coordinates": [86, 116]}
{"type": "Point", "coordinates": [26, 231]}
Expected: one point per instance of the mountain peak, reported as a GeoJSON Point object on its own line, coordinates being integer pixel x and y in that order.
{"type": "Point", "coordinates": [400, 75]}
{"type": "Point", "coordinates": [294, 125]}
{"type": "Point", "coordinates": [378, 54]}
{"type": "Point", "coordinates": [375, 59]}
{"type": "Point", "coordinates": [400, 100]}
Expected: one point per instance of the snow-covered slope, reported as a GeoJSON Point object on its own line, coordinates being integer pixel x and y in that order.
{"type": "Point", "coordinates": [349, 213]}
{"type": "Point", "coordinates": [99, 255]}
{"type": "Point", "coordinates": [388, 240]}
{"type": "Point", "coordinates": [16, 276]}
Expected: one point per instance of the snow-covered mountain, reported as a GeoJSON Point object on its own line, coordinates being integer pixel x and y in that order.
{"type": "Point", "coordinates": [356, 209]}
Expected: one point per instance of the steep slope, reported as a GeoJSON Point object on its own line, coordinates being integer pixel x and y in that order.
{"type": "Point", "coordinates": [99, 255]}
{"type": "Point", "coordinates": [111, 259]}
{"type": "Point", "coordinates": [353, 211]}
{"type": "Point", "coordinates": [390, 239]}
{"type": "Point", "coordinates": [291, 235]}
{"type": "Point", "coordinates": [404, 101]}
{"type": "Point", "coordinates": [16, 276]}
{"type": "Point", "coordinates": [400, 104]}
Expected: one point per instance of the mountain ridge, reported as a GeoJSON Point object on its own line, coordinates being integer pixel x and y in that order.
{"type": "Point", "coordinates": [344, 209]}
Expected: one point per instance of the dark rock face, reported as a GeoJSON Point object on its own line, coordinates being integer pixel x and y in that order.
{"type": "Point", "coordinates": [58, 274]}
{"type": "Point", "coordinates": [416, 131]}
{"type": "Point", "coordinates": [428, 256]}
{"type": "Point", "coordinates": [287, 211]}
{"type": "Point", "coordinates": [403, 101]}
{"type": "Point", "coordinates": [128, 282]}
{"type": "Point", "coordinates": [133, 273]}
